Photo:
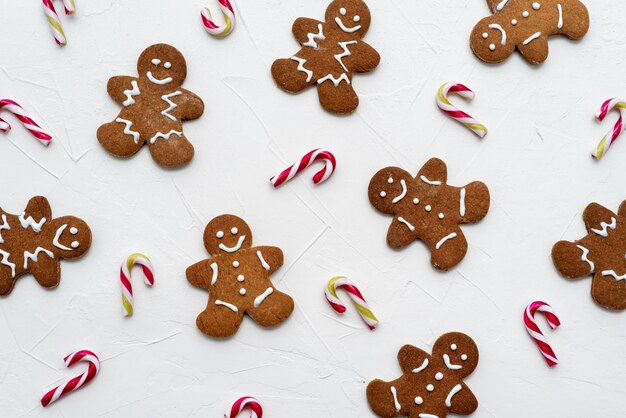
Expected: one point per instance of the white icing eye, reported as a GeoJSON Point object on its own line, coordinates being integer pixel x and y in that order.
{"type": "Point", "coordinates": [485, 35]}
{"type": "Point", "coordinates": [416, 201]}
{"type": "Point", "coordinates": [242, 292]}
{"type": "Point", "coordinates": [73, 231]}
{"type": "Point", "coordinates": [514, 22]}
{"type": "Point", "coordinates": [168, 65]}
{"type": "Point", "coordinates": [356, 18]}
{"type": "Point", "coordinates": [235, 264]}
{"type": "Point", "coordinates": [390, 180]}
{"type": "Point", "coordinates": [419, 400]}
{"type": "Point", "coordinates": [383, 194]}
{"type": "Point", "coordinates": [453, 347]}
{"type": "Point", "coordinates": [463, 357]}
{"type": "Point", "coordinates": [525, 14]}
{"type": "Point", "coordinates": [234, 230]}
{"type": "Point", "coordinates": [342, 11]}
{"type": "Point", "coordinates": [536, 6]}
{"type": "Point", "coordinates": [430, 388]}
{"type": "Point", "coordinates": [220, 234]}
{"type": "Point", "coordinates": [439, 376]}
{"type": "Point", "coordinates": [428, 208]}
{"type": "Point", "coordinates": [240, 278]}
{"type": "Point", "coordinates": [492, 47]}
{"type": "Point", "coordinates": [75, 244]}
{"type": "Point", "coordinates": [441, 216]}
{"type": "Point", "coordinates": [156, 61]}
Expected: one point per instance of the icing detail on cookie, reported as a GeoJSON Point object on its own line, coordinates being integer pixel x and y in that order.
{"type": "Point", "coordinates": [215, 273]}
{"type": "Point", "coordinates": [165, 136]}
{"type": "Point", "coordinates": [444, 239]}
{"type": "Point", "coordinates": [407, 223]}
{"type": "Point", "coordinates": [234, 248]}
{"type": "Point", "coordinates": [453, 347]}
{"type": "Point", "coordinates": [313, 36]}
{"type": "Point", "coordinates": [525, 14]}
{"type": "Point", "coordinates": [438, 376]}
{"type": "Point", "coordinates": [402, 194]}
{"type": "Point", "coordinates": [5, 261]}
{"type": "Point", "coordinates": [155, 80]}
{"type": "Point", "coordinates": [431, 182]}
{"type": "Point", "coordinates": [336, 81]}
{"type": "Point", "coordinates": [241, 278]}
{"type": "Point", "coordinates": [536, 6]}
{"type": "Point", "coordinates": [235, 263]}
{"type": "Point", "coordinates": [127, 129]}
{"type": "Point", "coordinates": [462, 203]}
{"type": "Point", "coordinates": [30, 223]}
{"type": "Point", "coordinates": [427, 416]}
{"type": "Point", "coordinates": [428, 208]}
{"type": "Point", "coordinates": [604, 228]}
{"type": "Point", "coordinates": [302, 69]}
{"type": "Point", "coordinates": [614, 274]}
{"type": "Point", "coordinates": [5, 226]}
{"type": "Point", "coordinates": [449, 365]}
{"type": "Point", "coordinates": [532, 38]}
{"type": "Point", "coordinates": [394, 393]}
{"type": "Point", "coordinates": [259, 299]}
{"type": "Point", "coordinates": [57, 235]}
{"type": "Point", "coordinates": [168, 65]}
{"type": "Point", "coordinates": [130, 93]}
{"type": "Point", "coordinates": [430, 388]}
{"type": "Point", "coordinates": [419, 400]}
{"type": "Point", "coordinates": [226, 304]}
{"type": "Point", "coordinates": [242, 291]}
{"type": "Point", "coordinates": [584, 257]}
{"type": "Point", "coordinates": [441, 216]}
{"type": "Point", "coordinates": [559, 24]}
{"type": "Point", "coordinates": [422, 367]}
{"type": "Point", "coordinates": [453, 392]}
{"type": "Point", "coordinates": [345, 28]}
{"type": "Point", "coordinates": [155, 61]}
{"type": "Point", "coordinates": [463, 357]}
{"type": "Point", "coordinates": [345, 53]}
{"type": "Point", "coordinates": [501, 5]}
{"type": "Point", "coordinates": [262, 260]}
{"type": "Point", "coordinates": [35, 256]}
{"type": "Point", "coordinates": [502, 31]}
{"type": "Point", "coordinates": [172, 105]}
{"type": "Point", "coordinates": [415, 200]}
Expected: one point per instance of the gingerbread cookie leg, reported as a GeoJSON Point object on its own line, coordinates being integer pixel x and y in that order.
{"type": "Point", "coordinates": [119, 138]}
{"type": "Point", "coordinates": [608, 292]}
{"type": "Point", "coordinates": [383, 399]}
{"type": "Point", "coordinates": [447, 248]}
{"type": "Point", "coordinates": [271, 308]}
{"type": "Point", "coordinates": [220, 319]}
{"type": "Point", "coordinates": [171, 149]}
{"type": "Point", "coordinates": [7, 278]}
{"type": "Point", "coordinates": [292, 75]}
{"type": "Point", "coordinates": [46, 270]}
{"type": "Point", "coordinates": [535, 48]}
{"type": "Point", "coordinates": [336, 94]}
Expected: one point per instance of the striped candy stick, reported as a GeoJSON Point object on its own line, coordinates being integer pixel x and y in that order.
{"type": "Point", "coordinates": [608, 139]}
{"type": "Point", "coordinates": [55, 22]}
{"type": "Point", "coordinates": [127, 287]}
{"type": "Point", "coordinates": [69, 6]}
{"type": "Point", "coordinates": [357, 298]}
{"type": "Point", "coordinates": [312, 156]}
{"type": "Point", "coordinates": [246, 402]}
{"type": "Point", "coordinates": [78, 381]}
{"type": "Point", "coordinates": [535, 332]}
{"type": "Point", "coordinates": [229, 20]}
{"type": "Point", "coordinates": [449, 109]}
{"type": "Point", "coordinates": [19, 112]}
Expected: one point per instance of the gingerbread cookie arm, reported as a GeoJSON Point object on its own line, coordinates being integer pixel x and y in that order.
{"type": "Point", "coordinates": [474, 201]}
{"type": "Point", "coordinates": [574, 260]}
{"type": "Point", "coordinates": [307, 30]}
{"type": "Point", "coordinates": [599, 220]}
{"type": "Point", "coordinates": [496, 5]}
{"type": "Point", "coordinates": [364, 57]}
{"type": "Point", "coordinates": [461, 400]}
{"type": "Point", "coordinates": [38, 208]}
{"type": "Point", "coordinates": [271, 258]}
{"type": "Point", "coordinates": [434, 171]}
{"type": "Point", "coordinates": [119, 86]}
{"type": "Point", "coordinates": [575, 19]}
{"type": "Point", "coordinates": [621, 211]}
{"type": "Point", "coordinates": [203, 273]}
{"type": "Point", "coordinates": [189, 106]}
{"type": "Point", "coordinates": [412, 359]}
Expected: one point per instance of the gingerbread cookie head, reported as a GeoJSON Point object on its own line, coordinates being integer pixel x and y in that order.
{"type": "Point", "coordinates": [72, 236]}
{"type": "Point", "coordinates": [425, 207]}
{"type": "Point", "coordinates": [430, 386]}
{"type": "Point", "coordinates": [227, 234]}
{"type": "Point", "coordinates": [352, 17]}
{"type": "Point", "coordinates": [163, 65]}
{"type": "Point", "coordinates": [526, 25]}
{"type": "Point", "coordinates": [601, 253]}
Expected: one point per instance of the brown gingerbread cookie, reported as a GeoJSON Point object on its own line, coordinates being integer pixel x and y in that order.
{"type": "Point", "coordinates": [430, 386]}
{"type": "Point", "coordinates": [154, 108]}
{"type": "Point", "coordinates": [34, 242]}
{"type": "Point", "coordinates": [427, 208]}
{"type": "Point", "coordinates": [331, 52]}
{"type": "Point", "coordinates": [237, 277]}
{"type": "Point", "coordinates": [602, 252]}
{"type": "Point", "coordinates": [527, 25]}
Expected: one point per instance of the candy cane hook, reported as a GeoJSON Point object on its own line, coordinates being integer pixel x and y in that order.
{"type": "Point", "coordinates": [246, 402]}
{"type": "Point", "coordinates": [357, 298]}
{"type": "Point", "coordinates": [449, 109]}
{"type": "Point", "coordinates": [127, 287]}
{"type": "Point", "coordinates": [619, 127]}
{"type": "Point", "coordinates": [55, 22]}
{"type": "Point", "coordinates": [535, 332]}
{"type": "Point", "coordinates": [229, 20]}
{"type": "Point", "coordinates": [315, 155]}
{"type": "Point", "coordinates": [78, 381]}
{"type": "Point", "coordinates": [19, 112]}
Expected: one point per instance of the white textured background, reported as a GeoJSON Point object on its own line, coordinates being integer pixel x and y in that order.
{"type": "Point", "coordinates": [535, 160]}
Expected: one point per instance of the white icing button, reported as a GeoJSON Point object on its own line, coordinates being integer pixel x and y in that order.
{"type": "Point", "coordinates": [390, 180]}
{"type": "Point", "coordinates": [439, 376]}
{"type": "Point", "coordinates": [492, 47]}
{"type": "Point", "coordinates": [234, 230]}
{"type": "Point", "coordinates": [463, 357]}
{"type": "Point", "coordinates": [156, 61]}
{"type": "Point", "coordinates": [419, 400]}
{"type": "Point", "coordinates": [240, 278]}
{"type": "Point", "coordinates": [167, 65]}
{"type": "Point", "coordinates": [525, 14]}
{"type": "Point", "coordinates": [430, 388]}
{"type": "Point", "coordinates": [73, 231]}
{"type": "Point", "coordinates": [441, 216]}
{"type": "Point", "coordinates": [235, 263]}
{"type": "Point", "coordinates": [356, 18]}
{"type": "Point", "coordinates": [416, 201]}
{"type": "Point", "coordinates": [427, 208]}
{"type": "Point", "coordinates": [242, 292]}
{"type": "Point", "coordinates": [514, 22]}
{"type": "Point", "coordinates": [220, 234]}
{"type": "Point", "coordinates": [453, 347]}
{"type": "Point", "coordinates": [536, 6]}
{"type": "Point", "coordinates": [383, 194]}
{"type": "Point", "coordinates": [75, 244]}
{"type": "Point", "coordinates": [342, 11]}
{"type": "Point", "coordinates": [485, 35]}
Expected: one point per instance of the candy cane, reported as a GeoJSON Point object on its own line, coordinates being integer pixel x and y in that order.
{"type": "Point", "coordinates": [243, 403]}
{"type": "Point", "coordinates": [608, 139]}
{"type": "Point", "coordinates": [535, 332]}
{"type": "Point", "coordinates": [55, 22]}
{"type": "Point", "coordinates": [127, 287]}
{"type": "Point", "coordinates": [455, 113]}
{"type": "Point", "coordinates": [19, 112]}
{"type": "Point", "coordinates": [306, 161]}
{"type": "Point", "coordinates": [357, 298]}
{"type": "Point", "coordinates": [229, 20]}
{"type": "Point", "coordinates": [78, 381]}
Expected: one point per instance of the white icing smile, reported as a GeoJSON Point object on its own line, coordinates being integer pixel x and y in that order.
{"type": "Point", "coordinates": [60, 246]}
{"type": "Point", "coordinates": [155, 80]}
{"type": "Point", "coordinates": [401, 195]}
{"type": "Point", "coordinates": [235, 247]}
{"type": "Point", "coordinates": [449, 365]}
{"type": "Point", "coordinates": [345, 28]}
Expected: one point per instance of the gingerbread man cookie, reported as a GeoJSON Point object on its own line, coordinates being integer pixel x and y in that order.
{"type": "Point", "coordinates": [34, 242]}
{"type": "Point", "coordinates": [237, 277]}
{"type": "Point", "coordinates": [427, 208]}
{"type": "Point", "coordinates": [602, 252]}
{"type": "Point", "coordinates": [430, 386]}
{"type": "Point", "coordinates": [526, 25]}
{"type": "Point", "coordinates": [331, 52]}
{"type": "Point", "coordinates": [154, 108]}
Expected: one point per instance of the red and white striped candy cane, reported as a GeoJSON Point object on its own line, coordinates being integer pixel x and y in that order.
{"type": "Point", "coordinates": [243, 403]}
{"type": "Point", "coordinates": [229, 20]}
{"type": "Point", "coordinates": [55, 22]}
{"type": "Point", "coordinates": [357, 298]}
{"type": "Point", "coordinates": [127, 287]}
{"type": "Point", "coordinates": [78, 381]}
{"type": "Point", "coordinates": [26, 120]}
{"type": "Point", "coordinates": [306, 161]}
{"type": "Point", "coordinates": [535, 332]}
{"type": "Point", "coordinates": [449, 109]}
{"type": "Point", "coordinates": [619, 127]}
